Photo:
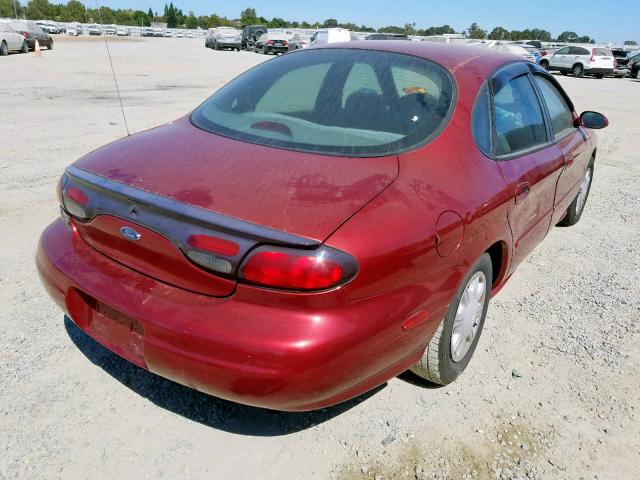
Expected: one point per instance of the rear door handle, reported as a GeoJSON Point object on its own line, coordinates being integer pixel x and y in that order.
{"type": "Point", "coordinates": [522, 190]}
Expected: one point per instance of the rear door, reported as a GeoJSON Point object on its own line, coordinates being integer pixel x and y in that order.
{"type": "Point", "coordinates": [526, 155]}
{"type": "Point", "coordinates": [570, 139]}
{"type": "Point", "coordinates": [578, 55]}
{"type": "Point", "coordinates": [559, 59]}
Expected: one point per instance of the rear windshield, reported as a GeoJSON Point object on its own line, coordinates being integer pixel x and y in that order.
{"type": "Point", "coordinates": [333, 101]}
{"type": "Point", "coordinates": [602, 52]}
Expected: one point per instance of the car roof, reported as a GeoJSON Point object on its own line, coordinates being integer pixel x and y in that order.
{"type": "Point", "coordinates": [451, 56]}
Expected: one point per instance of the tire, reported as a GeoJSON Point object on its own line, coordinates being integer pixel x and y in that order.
{"type": "Point", "coordinates": [544, 64]}
{"type": "Point", "coordinates": [564, 74]}
{"type": "Point", "coordinates": [577, 70]}
{"type": "Point", "coordinates": [216, 46]}
{"type": "Point", "coordinates": [638, 74]}
{"type": "Point", "coordinates": [4, 49]}
{"type": "Point", "coordinates": [440, 364]}
{"type": "Point", "coordinates": [574, 212]}
{"type": "Point", "coordinates": [599, 76]}
{"type": "Point", "coordinates": [25, 47]}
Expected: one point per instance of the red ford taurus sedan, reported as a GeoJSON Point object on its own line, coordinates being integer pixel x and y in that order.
{"type": "Point", "coordinates": [322, 223]}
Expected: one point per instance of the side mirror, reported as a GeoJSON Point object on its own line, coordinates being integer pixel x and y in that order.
{"type": "Point", "coordinates": [593, 120]}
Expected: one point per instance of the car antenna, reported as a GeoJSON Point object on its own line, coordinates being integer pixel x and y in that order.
{"type": "Point", "coordinates": [115, 80]}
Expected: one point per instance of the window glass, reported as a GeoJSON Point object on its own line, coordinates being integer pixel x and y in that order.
{"type": "Point", "coordinates": [579, 51]}
{"type": "Point", "coordinates": [295, 91]}
{"type": "Point", "coordinates": [560, 113]}
{"type": "Point", "coordinates": [334, 101]}
{"type": "Point", "coordinates": [361, 77]}
{"type": "Point", "coordinates": [518, 118]}
{"type": "Point", "coordinates": [563, 51]}
{"type": "Point", "coordinates": [602, 52]}
{"type": "Point", "coordinates": [480, 121]}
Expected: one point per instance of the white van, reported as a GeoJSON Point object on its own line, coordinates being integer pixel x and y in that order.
{"type": "Point", "coordinates": [332, 35]}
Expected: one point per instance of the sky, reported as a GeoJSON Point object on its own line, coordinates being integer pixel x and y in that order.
{"type": "Point", "coordinates": [606, 22]}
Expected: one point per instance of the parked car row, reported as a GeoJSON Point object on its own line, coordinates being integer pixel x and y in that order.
{"type": "Point", "coordinates": [21, 36]}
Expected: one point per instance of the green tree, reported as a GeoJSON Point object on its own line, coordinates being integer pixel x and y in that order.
{"type": "Point", "coordinates": [191, 21]}
{"type": "Point", "coordinates": [330, 23]}
{"type": "Point", "coordinates": [171, 17]}
{"type": "Point", "coordinates": [631, 43]}
{"type": "Point", "coordinates": [6, 8]}
{"type": "Point", "coordinates": [277, 23]}
{"type": "Point", "coordinates": [248, 17]}
{"type": "Point", "coordinates": [140, 19]}
{"type": "Point", "coordinates": [476, 32]}
{"type": "Point", "coordinates": [568, 37]}
{"type": "Point", "coordinates": [39, 10]}
{"type": "Point", "coordinates": [150, 16]}
{"type": "Point", "coordinates": [73, 12]}
{"type": "Point", "coordinates": [499, 33]}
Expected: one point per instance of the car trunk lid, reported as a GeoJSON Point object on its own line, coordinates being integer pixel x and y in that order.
{"type": "Point", "coordinates": [177, 182]}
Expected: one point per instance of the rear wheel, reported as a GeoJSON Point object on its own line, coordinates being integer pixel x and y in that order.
{"type": "Point", "coordinates": [453, 344]}
{"type": "Point", "coordinates": [544, 64]}
{"type": "Point", "coordinates": [50, 46]}
{"type": "Point", "coordinates": [577, 70]}
{"type": "Point", "coordinates": [4, 50]}
{"type": "Point", "coordinates": [25, 47]}
{"type": "Point", "coordinates": [574, 212]}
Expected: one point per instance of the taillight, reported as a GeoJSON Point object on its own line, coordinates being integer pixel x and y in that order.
{"type": "Point", "coordinates": [25, 34]}
{"type": "Point", "coordinates": [270, 42]}
{"type": "Point", "coordinates": [77, 195]}
{"type": "Point", "coordinates": [593, 56]}
{"type": "Point", "coordinates": [285, 43]}
{"type": "Point", "coordinates": [59, 189]}
{"type": "Point", "coordinates": [74, 200]}
{"type": "Point", "coordinates": [292, 269]}
{"type": "Point", "coordinates": [212, 244]}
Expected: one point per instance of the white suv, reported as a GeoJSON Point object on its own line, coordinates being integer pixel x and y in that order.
{"type": "Point", "coordinates": [580, 61]}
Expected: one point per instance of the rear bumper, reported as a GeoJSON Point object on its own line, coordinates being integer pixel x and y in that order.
{"type": "Point", "coordinates": [276, 48]}
{"type": "Point", "coordinates": [287, 355]}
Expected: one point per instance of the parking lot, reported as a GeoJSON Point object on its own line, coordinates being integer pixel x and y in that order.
{"type": "Point", "coordinates": [552, 391]}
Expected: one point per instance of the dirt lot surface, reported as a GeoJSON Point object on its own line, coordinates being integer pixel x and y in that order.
{"type": "Point", "coordinates": [552, 392]}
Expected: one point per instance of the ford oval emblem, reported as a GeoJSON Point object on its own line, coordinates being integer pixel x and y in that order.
{"type": "Point", "coordinates": [130, 234]}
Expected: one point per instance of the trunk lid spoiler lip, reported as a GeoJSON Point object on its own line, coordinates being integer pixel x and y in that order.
{"type": "Point", "coordinates": [127, 197]}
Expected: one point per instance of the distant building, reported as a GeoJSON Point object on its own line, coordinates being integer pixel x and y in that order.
{"type": "Point", "coordinates": [158, 25]}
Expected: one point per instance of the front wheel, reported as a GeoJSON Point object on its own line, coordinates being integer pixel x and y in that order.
{"type": "Point", "coordinates": [574, 212]}
{"type": "Point", "coordinates": [544, 64]}
{"type": "Point", "coordinates": [452, 346]}
{"type": "Point", "coordinates": [50, 46]}
{"type": "Point", "coordinates": [4, 49]}
{"type": "Point", "coordinates": [25, 47]}
{"type": "Point", "coordinates": [577, 70]}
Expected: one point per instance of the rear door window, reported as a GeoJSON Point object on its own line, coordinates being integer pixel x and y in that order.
{"type": "Point", "coordinates": [559, 111]}
{"type": "Point", "coordinates": [519, 123]}
{"type": "Point", "coordinates": [579, 51]}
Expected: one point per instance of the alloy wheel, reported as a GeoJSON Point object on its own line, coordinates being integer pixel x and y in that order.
{"type": "Point", "coordinates": [468, 316]}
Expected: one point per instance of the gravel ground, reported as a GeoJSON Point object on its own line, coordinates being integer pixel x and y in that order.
{"type": "Point", "coordinates": [552, 391]}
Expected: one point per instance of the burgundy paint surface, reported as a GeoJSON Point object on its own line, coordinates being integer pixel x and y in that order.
{"type": "Point", "coordinates": [414, 223]}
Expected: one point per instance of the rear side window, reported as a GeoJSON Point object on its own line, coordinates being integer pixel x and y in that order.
{"type": "Point", "coordinates": [560, 113]}
{"type": "Point", "coordinates": [519, 122]}
{"type": "Point", "coordinates": [334, 101]}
